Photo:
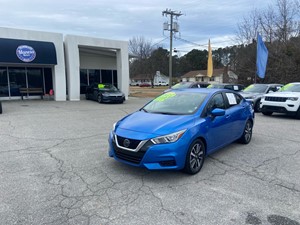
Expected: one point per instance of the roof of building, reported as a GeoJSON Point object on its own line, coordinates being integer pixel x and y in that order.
{"type": "Point", "coordinates": [202, 73]}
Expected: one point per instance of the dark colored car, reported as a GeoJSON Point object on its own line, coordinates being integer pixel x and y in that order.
{"type": "Point", "coordinates": [178, 129]}
{"type": "Point", "coordinates": [255, 92]}
{"type": "Point", "coordinates": [0, 108]}
{"type": "Point", "coordinates": [104, 93]}
{"type": "Point", "coordinates": [188, 84]}
{"type": "Point", "coordinates": [234, 87]}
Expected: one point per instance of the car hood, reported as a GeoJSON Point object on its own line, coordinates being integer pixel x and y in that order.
{"type": "Point", "coordinates": [250, 94]}
{"type": "Point", "coordinates": [148, 125]}
{"type": "Point", "coordinates": [283, 94]}
{"type": "Point", "coordinates": [113, 93]}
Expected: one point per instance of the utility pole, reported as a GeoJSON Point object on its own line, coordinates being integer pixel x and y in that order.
{"type": "Point", "coordinates": [172, 28]}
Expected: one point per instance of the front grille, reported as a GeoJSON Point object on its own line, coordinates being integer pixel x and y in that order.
{"type": "Point", "coordinates": [275, 99]}
{"type": "Point", "coordinates": [133, 157]}
{"type": "Point", "coordinates": [133, 143]}
{"type": "Point", "coordinates": [274, 109]}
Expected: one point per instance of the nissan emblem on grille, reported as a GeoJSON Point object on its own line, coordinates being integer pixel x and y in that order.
{"type": "Point", "coordinates": [126, 143]}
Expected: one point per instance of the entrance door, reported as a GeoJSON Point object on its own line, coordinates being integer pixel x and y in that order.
{"type": "Point", "coordinates": [17, 80]}
{"type": "Point", "coordinates": [3, 82]}
{"type": "Point", "coordinates": [35, 78]}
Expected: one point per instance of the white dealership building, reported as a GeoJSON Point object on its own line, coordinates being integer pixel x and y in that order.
{"type": "Point", "coordinates": [62, 65]}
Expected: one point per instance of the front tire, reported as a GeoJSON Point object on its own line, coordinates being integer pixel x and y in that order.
{"type": "Point", "coordinates": [257, 106]}
{"type": "Point", "coordinates": [195, 157]}
{"type": "Point", "coordinates": [99, 99]}
{"type": "Point", "coordinates": [247, 134]}
{"type": "Point", "coordinates": [298, 113]}
{"type": "Point", "coordinates": [0, 108]}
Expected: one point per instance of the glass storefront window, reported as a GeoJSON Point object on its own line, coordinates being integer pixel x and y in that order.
{"type": "Point", "coordinates": [107, 76]}
{"type": "Point", "coordinates": [17, 79]}
{"type": "Point", "coordinates": [94, 76]}
{"type": "Point", "coordinates": [48, 80]}
{"type": "Point", "coordinates": [35, 78]}
{"type": "Point", "coordinates": [3, 82]}
{"type": "Point", "coordinates": [83, 81]}
{"type": "Point", "coordinates": [115, 78]}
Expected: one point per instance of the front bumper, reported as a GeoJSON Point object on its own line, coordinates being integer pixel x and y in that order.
{"type": "Point", "coordinates": [154, 157]}
{"type": "Point", "coordinates": [288, 107]}
{"type": "Point", "coordinates": [113, 98]}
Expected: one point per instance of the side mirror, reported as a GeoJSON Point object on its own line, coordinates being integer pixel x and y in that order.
{"type": "Point", "coordinates": [218, 112]}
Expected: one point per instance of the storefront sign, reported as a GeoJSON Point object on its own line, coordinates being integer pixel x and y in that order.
{"type": "Point", "coordinates": [26, 53]}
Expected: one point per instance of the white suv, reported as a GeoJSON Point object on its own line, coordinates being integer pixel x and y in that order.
{"type": "Point", "coordinates": [286, 100]}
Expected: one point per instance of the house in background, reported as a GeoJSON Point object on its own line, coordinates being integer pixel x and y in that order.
{"type": "Point", "coordinates": [219, 76]}
{"type": "Point", "coordinates": [158, 79]}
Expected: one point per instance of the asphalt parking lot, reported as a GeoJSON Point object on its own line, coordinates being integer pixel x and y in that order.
{"type": "Point", "coordinates": [54, 169]}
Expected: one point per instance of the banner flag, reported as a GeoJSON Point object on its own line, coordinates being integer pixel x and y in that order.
{"type": "Point", "coordinates": [261, 58]}
{"type": "Point", "coordinates": [209, 61]}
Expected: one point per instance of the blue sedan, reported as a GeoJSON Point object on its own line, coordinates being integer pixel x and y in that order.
{"type": "Point", "coordinates": [178, 129]}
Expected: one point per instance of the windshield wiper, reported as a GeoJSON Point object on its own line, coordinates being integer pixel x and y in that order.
{"type": "Point", "coordinates": [143, 110]}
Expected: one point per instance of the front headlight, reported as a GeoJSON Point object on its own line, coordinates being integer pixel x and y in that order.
{"type": "Point", "coordinates": [293, 98]}
{"type": "Point", "coordinates": [170, 138]}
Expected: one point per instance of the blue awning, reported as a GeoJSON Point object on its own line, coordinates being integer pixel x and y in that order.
{"type": "Point", "coordinates": [27, 52]}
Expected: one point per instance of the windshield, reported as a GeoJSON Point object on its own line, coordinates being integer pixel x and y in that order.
{"type": "Point", "coordinates": [290, 87]}
{"type": "Point", "coordinates": [181, 85]}
{"type": "Point", "coordinates": [175, 103]}
{"type": "Point", "coordinates": [215, 86]}
{"type": "Point", "coordinates": [256, 88]}
{"type": "Point", "coordinates": [107, 87]}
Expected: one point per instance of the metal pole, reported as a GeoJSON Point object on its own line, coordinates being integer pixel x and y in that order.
{"type": "Point", "coordinates": [170, 56]}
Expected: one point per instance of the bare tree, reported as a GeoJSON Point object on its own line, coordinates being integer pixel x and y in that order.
{"type": "Point", "coordinates": [286, 26]}
{"type": "Point", "coordinates": [140, 47]}
{"type": "Point", "coordinates": [248, 28]}
{"type": "Point", "coordinates": [267, 20]}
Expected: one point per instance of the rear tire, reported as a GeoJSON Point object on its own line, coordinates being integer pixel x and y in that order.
{"type": "Point", "coordinates": [195, 157]}
{"type": "Point", "coordinates": [247, 134]}
{"type": "Point", "coordinates": [0, 108]}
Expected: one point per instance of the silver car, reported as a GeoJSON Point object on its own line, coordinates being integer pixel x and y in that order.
{"type": "Point", "coordinates": [254, 93]}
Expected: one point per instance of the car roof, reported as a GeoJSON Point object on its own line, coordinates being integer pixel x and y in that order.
{"type": "Point", "coordinates": [202, 90]}
{"type": "Point", "coordinates": [265, 84]}
{"type": "Point", "coordinates": [294, 83]}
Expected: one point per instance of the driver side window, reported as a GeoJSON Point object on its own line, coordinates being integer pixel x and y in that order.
{"type": "Point", "coordinates": [217, 101]}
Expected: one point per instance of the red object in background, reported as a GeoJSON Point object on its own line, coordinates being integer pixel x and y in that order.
{"type": "Point", "coordinates": [145, 85]}
{"type": "Point", "coordinates": [51, 92]}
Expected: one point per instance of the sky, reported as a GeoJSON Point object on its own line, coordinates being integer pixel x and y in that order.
{"type": "Point", "coordinates": [201, 20]}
